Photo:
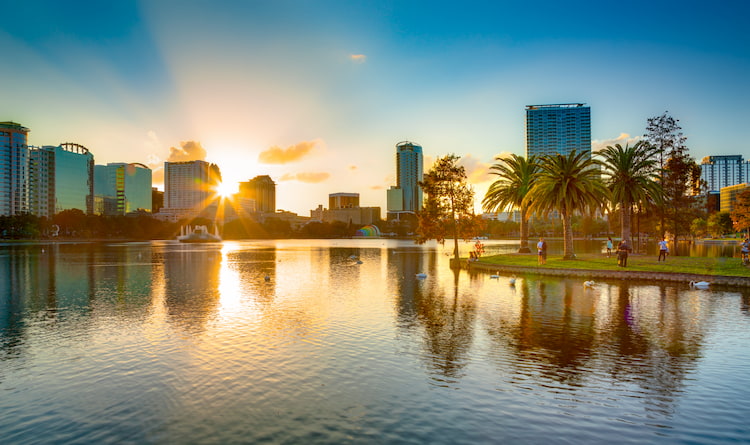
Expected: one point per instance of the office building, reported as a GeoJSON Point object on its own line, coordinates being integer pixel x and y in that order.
{"type": "Point", "coordinates": [724, 171]}
{"type": "Point", "coordinates": [406, 195]}
{"type": "Point", "coordinates": [14, 169]}
{"type": "Point", "coordinates": [61, 178]}
{"type": "Point", "coordinates": [343, 200]}
{"type": "Point", "coordinates": [121, 188]}
{"type": "Point", "coordinates": [558, 129]}
{"type": "Point", "coordinates": [190, 189]}
{"type": "Point", "coordinates": [262, 190]}
{"type": "Point", "coordinates": [729, 196]}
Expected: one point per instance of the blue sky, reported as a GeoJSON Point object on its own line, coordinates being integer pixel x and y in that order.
{"type": "Point", "coordinates": [329, 87]}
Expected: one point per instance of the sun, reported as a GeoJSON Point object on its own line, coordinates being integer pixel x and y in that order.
{"type": "Point", "coordinates": [226, 189]}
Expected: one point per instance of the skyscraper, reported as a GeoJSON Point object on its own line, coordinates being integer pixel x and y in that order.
{"type": "Point", "coordinates": [14, 169]}
{"type": "Point", "coordinates": [724, 171]}
{"type": "Point", "coordinates": [189, 188]}
{"type": "Point", "coordinates": [262, 190]}
{"type": "Point", "coordinates": [406, 195]}
{"type": "Point", "coordinates": [61, 178]}
{"type": "Point", "coordinates": [122, 188]}
{"type": "Point", "coordinates": [558, 128]}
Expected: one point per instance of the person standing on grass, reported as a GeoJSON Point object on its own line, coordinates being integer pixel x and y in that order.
{"type": "Point", "coordinates": [663, 250]}
{"type": "Point", "coordinates": [622, 253]}
{"type": "Point", "coordinates": [609, 247]}
{"type": "Point", "coordinates": [541, 248]}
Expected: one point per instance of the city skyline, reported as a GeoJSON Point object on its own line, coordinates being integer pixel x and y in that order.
{"type": "Point", "coordinates": [316, 95]}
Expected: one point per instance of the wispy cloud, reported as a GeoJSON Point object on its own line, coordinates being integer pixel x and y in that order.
{"type": "Point", "coordinates": [477, 171]}
{"type": "Point", "coordinates": [358, 58]}
{"type": "Point", "coordinates": [188, 151]}
{"type": "Point", "coordinates": [293, 153]}
{"type": "Point", "coordinates": [622, 139]}
{"type": "Point", "coordinates": [308, 177]}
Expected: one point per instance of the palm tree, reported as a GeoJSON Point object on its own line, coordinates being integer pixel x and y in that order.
{"type": "Point", "coordinates": [515, 175]}
{"type": "Point", "coordinates": [632, 177]}
{"type": "Point", "coordinates": [566, 183]}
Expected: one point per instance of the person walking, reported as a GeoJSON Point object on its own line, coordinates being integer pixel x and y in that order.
{"type": "Point", "coordinates": [663, 250]}
{"type": "Point", "coordinates": [609, 247]}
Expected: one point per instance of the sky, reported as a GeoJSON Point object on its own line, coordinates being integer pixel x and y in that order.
{"type": "Point", "coordinates": [316, 94]}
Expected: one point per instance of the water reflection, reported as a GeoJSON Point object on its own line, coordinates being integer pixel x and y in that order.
{"type": "Point", "coordinates": [276, 327]}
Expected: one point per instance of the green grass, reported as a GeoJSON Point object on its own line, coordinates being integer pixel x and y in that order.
{"type": "Point", "coordinates": [640, 263]}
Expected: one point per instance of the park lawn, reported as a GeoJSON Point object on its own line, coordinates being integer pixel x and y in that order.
{"type": "Point", "coordinates": [640, 263]}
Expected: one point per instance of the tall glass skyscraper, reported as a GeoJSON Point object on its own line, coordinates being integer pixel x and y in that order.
{"type": "Point", "coordinates": [121, 188]}
{"type": "Point", "coordinates": [558, 128]}
{"type": "Point", "coordinates": [14, 169]}
{"type": "Point", "coordinates": [724, 171]}
{"type": "Point", "coordinates": [61, 178]}
{"type": "Point", "coordinates": [406, 196]}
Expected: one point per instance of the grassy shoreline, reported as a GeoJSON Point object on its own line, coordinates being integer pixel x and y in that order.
{"type": "Point", "coordinates": [716, 266]}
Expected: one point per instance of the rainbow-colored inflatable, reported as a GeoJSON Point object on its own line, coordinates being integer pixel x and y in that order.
{"type": "Point", "coordinates": [369, 231]}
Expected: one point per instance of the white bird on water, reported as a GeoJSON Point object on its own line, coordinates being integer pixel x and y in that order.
{"type": "Point", "coordinates": [588, 284]}
{"type": "Point", "coordinates": [700, 284]}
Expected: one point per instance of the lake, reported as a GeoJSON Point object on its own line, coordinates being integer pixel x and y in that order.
{"type": "Point", "coordinates": [339, 341]}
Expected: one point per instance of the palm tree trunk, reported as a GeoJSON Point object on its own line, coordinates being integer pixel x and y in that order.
{"type": "Point", "coordinates": [567, 235]}
{"type": "Point", "coordinates": [524, 247]}
{"type": "Point", "coordinates": [625, 220]}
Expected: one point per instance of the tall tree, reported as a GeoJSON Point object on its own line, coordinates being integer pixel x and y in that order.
{"type": "Point", "coordinates": [567, 183]}
{"type": "Point", "coordinates": [741, 213]}
{"type": "Point", "coordinates": [515, 176]}
{"type": "Point", "coordinates": [632, 177]}
{"type": "Point", "coordinates": [680, 174]}
{"type": "Point", "coordinates": [449, 205]}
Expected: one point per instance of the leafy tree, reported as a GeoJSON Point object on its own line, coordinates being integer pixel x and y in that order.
{"type": "Point", "coordinates": [700, 227]}
{"type": "Point", "coordinates": [449, 205]}
{"type": "Point", "coordinates": [632, 179]}
{"type": "Point", "coordinates": [515, 176]}
{"type": "Point", "coordinates": [566, 183]}
{"type": "Point", "coordinates": [741, 213]}
{"type": "Point", "coordinates": [682, 185]}
{"type": "Point", "coordinates": [680, 174]}
{"type": "Point", "coordinates": [719, 223]}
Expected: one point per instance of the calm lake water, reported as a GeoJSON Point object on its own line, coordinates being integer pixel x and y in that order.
{"type": "Point", "coordinates": [168, 343]}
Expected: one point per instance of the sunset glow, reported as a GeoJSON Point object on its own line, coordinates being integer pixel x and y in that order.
{"type": "Point", "coordinates": [316, 95]}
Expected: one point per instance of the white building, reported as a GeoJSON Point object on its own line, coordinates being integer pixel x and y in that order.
{"type": "Point", "coordinates": [190, 189]}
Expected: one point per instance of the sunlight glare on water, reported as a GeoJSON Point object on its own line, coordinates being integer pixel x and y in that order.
{"type": "Point", "coordinates": [299, 342]}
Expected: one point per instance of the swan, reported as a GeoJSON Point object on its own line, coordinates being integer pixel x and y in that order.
{"type": "Point", "coordinates": [588, 284]}
{"type": "Point", "coordinates": [421, 275]}
{"type": "Point", "coordinates": [700, 284]}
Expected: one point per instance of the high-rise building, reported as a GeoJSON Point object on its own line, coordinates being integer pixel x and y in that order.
{"type": "Point", "coordinates": [262, 190]}
{"type": "Point", "coordinates": [121, 188]}
{"type": "Point", "coordinates": [343, 200]}
{"type": "Point", "coordinates": [14, 169]}
{"type": "Point", "coordinates": [558, 128]}
{"type": "Point", "coordinates": [729, 196]}
{"type": "Point", "coordinates": [406, 195]}
{"type": "Point", "coordinates": [724, 171]}
{"type": "Point", "coordinates": [61, 178]}
{"type": "Point", "coordinates": [190, 189]}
